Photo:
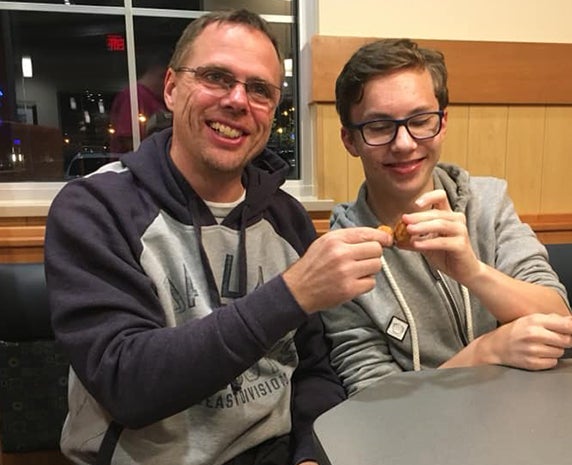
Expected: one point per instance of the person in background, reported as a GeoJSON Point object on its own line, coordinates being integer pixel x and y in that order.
{"type": "Point", "coordinates": [149, 98]}
{"type": "Point", "coordinates": [184, 284]}
{"type": "Point", "coordinates": [470, 284]}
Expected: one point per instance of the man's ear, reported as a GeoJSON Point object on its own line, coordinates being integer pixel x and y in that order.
{"type": "Point", "coordinates": [170, 89]}
{"type": "Point", "coordinates": [349, 141]}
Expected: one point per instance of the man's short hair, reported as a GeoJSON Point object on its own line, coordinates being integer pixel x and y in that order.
{"type": "Point", "coordinates": [242, 16]}
{"type": "Point", "coordinates": [381, 58]}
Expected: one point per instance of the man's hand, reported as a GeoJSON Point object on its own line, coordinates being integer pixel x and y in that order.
{"type": "Point", "coordinates": [442, 236]}
{"type": "Point", "coordinates": [337, 267]}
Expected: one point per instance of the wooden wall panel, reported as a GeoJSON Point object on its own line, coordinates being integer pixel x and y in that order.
{"type": "Point", "coordinates": [526, 145]}
{"type": "Point", "coordinates": [487, 140]}
{"type": "Point", "coordinates": [22, 239]}
{"type": "Point", "coordinates": [339, 174]}
{"type": "Point", "coordinates": [557, 166]}
{"type": "Point", "coordinates": [550, 228]}
{"type": "Point", "coordinates": [479, 72]}
{"type": "Point", "coordinates": [331, 156]}
{"type": "Point", "coordinates": [525, 155]}
{"type": "Point", "coordinates": [455, 147]}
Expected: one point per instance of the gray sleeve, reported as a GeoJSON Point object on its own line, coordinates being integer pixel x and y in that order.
{"type": "Point", "coordinates": [359, 350]}
{"type": "Point", "coordinates": [518, 252]}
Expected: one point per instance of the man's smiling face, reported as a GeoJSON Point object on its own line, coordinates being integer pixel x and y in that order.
{"type": "Point", "coordinates": [214, 135]}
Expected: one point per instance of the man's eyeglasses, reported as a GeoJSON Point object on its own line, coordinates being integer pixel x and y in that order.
{"type": "Point", "coordinates": [220, 82]}
{"type": "Point", "coordinates": [384, 131]}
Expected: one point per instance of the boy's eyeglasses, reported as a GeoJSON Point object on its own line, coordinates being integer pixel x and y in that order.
{"type": "Point", "coordinates": [384, 131]}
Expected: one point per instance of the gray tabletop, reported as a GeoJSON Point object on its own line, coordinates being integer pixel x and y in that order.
{"type": "Point", "coordinates": [489, 415]}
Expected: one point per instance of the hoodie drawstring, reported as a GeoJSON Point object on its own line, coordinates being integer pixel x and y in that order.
{"type": "Point", "coordinates": [468, 312]}
{"type": "Point", "coordinates": [197, 227]}
{"type": "Point", "coordinates": [409, 315]}
{"type": "Point", "coordinates": [406, 311]}
{"type": "Point", "coordinates": [242, 266]}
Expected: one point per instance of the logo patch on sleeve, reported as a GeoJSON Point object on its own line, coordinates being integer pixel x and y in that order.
{"type": "Point", "coordinates": [397, 328]}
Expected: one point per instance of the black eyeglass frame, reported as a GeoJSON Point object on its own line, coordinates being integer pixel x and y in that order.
{"type": "Point", "coordinates": [246, 84]}
{"type": "Point", "coordinates": [398, 123]}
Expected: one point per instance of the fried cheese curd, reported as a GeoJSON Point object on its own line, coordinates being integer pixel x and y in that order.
{"type": "Point", "coordinates": [399, 233]}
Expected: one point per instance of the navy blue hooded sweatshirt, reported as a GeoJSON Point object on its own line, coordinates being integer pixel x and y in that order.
{"type": "Point", "coordinates": [186, 346]}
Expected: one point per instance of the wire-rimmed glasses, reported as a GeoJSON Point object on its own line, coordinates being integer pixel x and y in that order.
{"type": "Point", "coordinates": [420, 126]}
{"type": "Point", "coordinates": [221, 81]}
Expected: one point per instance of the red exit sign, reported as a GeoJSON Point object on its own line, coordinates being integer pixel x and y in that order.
{"type": "Point", "coordinates": [115, 42]}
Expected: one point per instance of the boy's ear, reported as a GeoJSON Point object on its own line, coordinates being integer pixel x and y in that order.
{"type": "Point", "coordinates": [348, 138]}
{"type": "Point", "coordinates": [444, 122]}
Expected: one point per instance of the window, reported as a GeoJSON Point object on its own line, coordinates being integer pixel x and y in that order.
{"type": "Point", "coordinates": [68, 70]}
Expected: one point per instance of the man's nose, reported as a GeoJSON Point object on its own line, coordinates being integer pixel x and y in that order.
{"type": "Point", "coordinates": [237, 94]}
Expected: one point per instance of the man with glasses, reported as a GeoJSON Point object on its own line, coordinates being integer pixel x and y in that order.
{"type": "Point", "coordinates": [470, 284]}
{"type": "Point", "coordinates": [184, 283]}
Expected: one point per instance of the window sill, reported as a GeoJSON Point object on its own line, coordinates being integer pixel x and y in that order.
{"type": "Point", "coordinates": [29, 199]}
{"type": "Point", "coordinates": [23, 208]}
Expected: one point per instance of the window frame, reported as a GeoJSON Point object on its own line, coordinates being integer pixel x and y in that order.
{"type": "Point", "coordinates": [20, 199]}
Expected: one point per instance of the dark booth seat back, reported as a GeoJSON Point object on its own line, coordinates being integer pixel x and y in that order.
{"type": "Point", "coordinates": [560, 258]}
{"type": "Point", "coordinates": [33, 370]}
{"type": "Point", "coordinates": [25, 315]}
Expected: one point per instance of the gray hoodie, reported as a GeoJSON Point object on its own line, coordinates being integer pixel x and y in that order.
{"type": "Point", "coordinates": [416, 309]}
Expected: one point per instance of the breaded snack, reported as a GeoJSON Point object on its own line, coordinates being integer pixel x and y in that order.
{"type": "Point", "coordinates": [385, 228]}
{"type": "Point", "coordinates": [399, 233]}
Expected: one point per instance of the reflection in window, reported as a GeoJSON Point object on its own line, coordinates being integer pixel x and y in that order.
{"type": "Point", "coordinates": [58, 106]}
{"type": "Point", "coordinates": [152, 114]}
{"type": "Point", "coordinates": [65, 106]}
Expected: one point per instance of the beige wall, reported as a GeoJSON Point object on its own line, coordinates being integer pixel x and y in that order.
{"type": "Point", "coordinates": [496, 20]}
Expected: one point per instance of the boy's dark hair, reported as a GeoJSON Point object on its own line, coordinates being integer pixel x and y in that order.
{"type": "Point", "coordinates": [383, 57]}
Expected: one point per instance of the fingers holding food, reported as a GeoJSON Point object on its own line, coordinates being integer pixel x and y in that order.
{"type": "Point", "coordinates": [387, 229]}
{"type": "Point", "coordinates": [399, 233]}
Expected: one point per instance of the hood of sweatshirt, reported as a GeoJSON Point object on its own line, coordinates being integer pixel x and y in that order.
{"type": "Point", "coordinates": [455, 181]}
{"type": "Point", "coordinates": [152, 166]}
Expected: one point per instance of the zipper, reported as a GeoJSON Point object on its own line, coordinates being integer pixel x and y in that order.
{"type": "Point", "coordinates": [455, 310]}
